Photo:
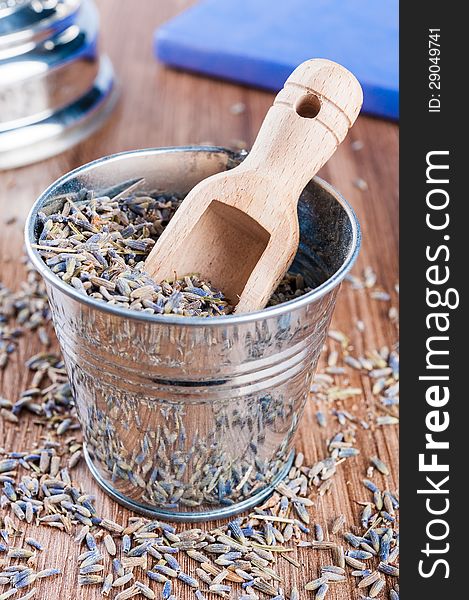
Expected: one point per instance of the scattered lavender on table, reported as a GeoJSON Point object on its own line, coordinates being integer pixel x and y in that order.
{"type": "Point", "coordinates": [243, 551]}
{"type": "Point", "coordinates": [21, 312]}
{"type": "Point", "coordinates": [38, 488]}
{"type": "Point", "coordinates": [381, 366]}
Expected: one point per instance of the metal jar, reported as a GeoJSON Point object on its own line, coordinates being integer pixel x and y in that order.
{"type": "Point", "coordinates": [192, 418]}
{"type": "Point", "coordinates": [55, 86]}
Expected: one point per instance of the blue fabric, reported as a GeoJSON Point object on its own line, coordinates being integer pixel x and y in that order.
{"type": "Point", "coordinates": [259, 42]}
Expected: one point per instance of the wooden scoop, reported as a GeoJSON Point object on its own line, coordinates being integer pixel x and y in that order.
{"type": "Point", "coordinates": [239, 229]}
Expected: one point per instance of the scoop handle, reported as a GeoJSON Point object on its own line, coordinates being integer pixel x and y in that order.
{"type": "Point", "coordinates": [309, 118]}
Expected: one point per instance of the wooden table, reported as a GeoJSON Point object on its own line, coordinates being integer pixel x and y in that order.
{"type": "Point", "coordinates": [162, 107]}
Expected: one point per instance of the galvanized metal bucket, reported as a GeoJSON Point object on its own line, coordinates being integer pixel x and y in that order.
{"type": "Point", "coordinates": [191, 418]}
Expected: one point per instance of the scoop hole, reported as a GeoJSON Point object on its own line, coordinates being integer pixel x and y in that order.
{"type": "Point", "coordinates": [308, 106]}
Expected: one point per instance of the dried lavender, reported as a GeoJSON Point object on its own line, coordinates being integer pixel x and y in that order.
{"type": "Point", "coordinates": [243, 551]}
{"type": "Point", "coordinates": [99, 245]}
{"type": "Point", "coordinates": [48, 398]}
{"type": "Point", "coordinates": [380, 366]}
{"type": "Point", "coordinates": [26, 310]}
{"type": "Point", "coordinates": [251, 545]}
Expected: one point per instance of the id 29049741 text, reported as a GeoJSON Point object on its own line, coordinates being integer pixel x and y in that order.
{"type": "Point", "coordinates": [434, 75]}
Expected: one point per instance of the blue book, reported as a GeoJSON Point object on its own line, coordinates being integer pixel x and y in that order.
{"type": "Point", "coordinates": [260, 42]}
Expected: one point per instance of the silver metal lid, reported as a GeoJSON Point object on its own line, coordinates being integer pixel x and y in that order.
{"type": "Point", "coordinates": [32, 22]}
{"type": "Point", "coordinates": [51, 75]}
{"type": "Point", "coordinates": [64, 128]}
{"type": "Point", "coordinates": [54, 89]}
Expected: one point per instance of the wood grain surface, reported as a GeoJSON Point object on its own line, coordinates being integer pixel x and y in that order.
{"type": "Point", "coordinates": [161, 107]}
